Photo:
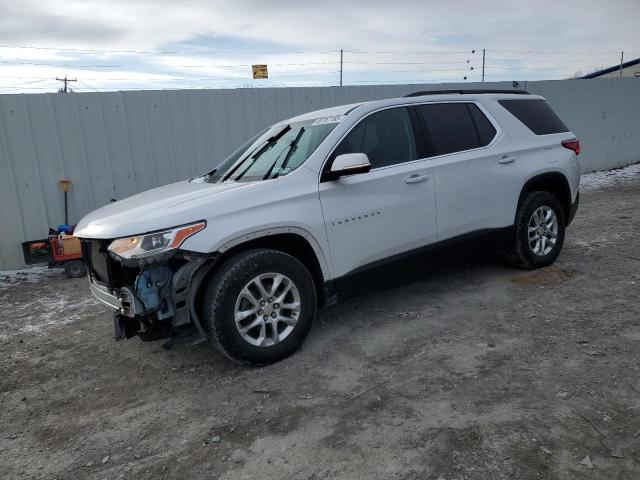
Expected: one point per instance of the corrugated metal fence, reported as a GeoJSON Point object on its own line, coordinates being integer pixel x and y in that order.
{"type": "Point", "coordinates": [112, 145]}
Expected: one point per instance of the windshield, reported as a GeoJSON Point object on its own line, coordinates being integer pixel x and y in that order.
{"type": "Point", "coordinates": [275, 152]}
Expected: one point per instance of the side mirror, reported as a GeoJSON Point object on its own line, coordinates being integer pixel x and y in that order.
{"type": "Point", "coordinates": [349, 164]}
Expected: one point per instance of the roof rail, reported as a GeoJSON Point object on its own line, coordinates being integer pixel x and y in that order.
{"type": "Point", "coordinates": [463, 92]}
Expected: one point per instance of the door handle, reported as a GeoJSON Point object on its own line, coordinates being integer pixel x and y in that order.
{"type": "Point", "coordinates": [506, 160]}
{"type": "Point", "coordinates": [415, 178]}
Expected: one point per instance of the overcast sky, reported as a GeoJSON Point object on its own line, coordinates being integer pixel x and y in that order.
{"type": "Point", "coordinates": [155, 44]}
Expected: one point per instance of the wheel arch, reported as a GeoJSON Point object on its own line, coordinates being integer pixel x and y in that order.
{"type": "Point", "coordinates": [290, 240]}
{"type": "Point", "coordinates": [555, 183]}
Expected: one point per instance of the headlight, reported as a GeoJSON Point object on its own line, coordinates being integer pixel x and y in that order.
{"type": "Point", "coordinates": [156, 244]}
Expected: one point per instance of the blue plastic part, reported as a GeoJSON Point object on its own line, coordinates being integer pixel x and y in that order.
{"type": "Point", "coordinates": [153, 289]}
{"type": "Point", "coordinates": [65, 229]}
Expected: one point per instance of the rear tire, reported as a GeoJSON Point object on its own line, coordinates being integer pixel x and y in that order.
{"type": "Point", "coordinates": [75, 268]}
{"type": "Point", "coordinates": [539, 231]}
{"type": "Point", "coordinates": [259, 306]}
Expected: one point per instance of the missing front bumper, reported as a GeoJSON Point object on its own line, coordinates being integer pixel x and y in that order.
{"type": "Point", "coordinates": [133, 316]}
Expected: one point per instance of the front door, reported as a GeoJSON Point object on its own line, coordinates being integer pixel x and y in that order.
{"type": "Point", "coordinates": [387, 211]}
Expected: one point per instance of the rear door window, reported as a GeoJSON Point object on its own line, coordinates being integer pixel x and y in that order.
{"type": "Point", "coordinates": [536, 114]}
{"type": "Point", "coordinates": [386, 137]}
{"type": "Point", "coordinates": [455, 127]}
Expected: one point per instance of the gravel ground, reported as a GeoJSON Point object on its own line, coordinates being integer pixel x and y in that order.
{"type": "Point", "coordinates": [463, 369]}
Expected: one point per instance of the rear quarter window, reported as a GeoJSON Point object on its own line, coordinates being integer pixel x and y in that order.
{"type": "Point", "coordinates": [536, 115]}
{"type": "Point", "coordinates": [486, 131]}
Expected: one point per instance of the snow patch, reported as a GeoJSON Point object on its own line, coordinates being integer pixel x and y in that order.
{"type": "Point", "coordinates": [43, 313]}
{"type": "Point", "coordinates": [610, 178]}
{"type": "Point", "coordinates": [29, 275]}
{"type": "Point", "coordinates": [34, 302]}
{"type": "Point", "coordinates": [58, 311]}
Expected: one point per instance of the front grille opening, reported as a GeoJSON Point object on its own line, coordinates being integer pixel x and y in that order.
{"type": "Point", "coordinates": [104, 269]}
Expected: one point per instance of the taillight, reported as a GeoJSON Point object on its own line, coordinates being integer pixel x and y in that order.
{"type": "Point", "coordinates": [572, 145]}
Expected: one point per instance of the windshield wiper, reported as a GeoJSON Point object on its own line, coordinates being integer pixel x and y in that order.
{"type": "Point", "coordinates": [254, 156]}
{"type": "Point", "coordinates": [292, 148]}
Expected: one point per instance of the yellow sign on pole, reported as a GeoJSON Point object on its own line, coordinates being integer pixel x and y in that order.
{"type": "Point", "coordinates": [260, 71]}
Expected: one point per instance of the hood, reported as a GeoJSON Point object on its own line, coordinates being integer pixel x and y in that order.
{"type": "Point", "coordinates": [164, 207]}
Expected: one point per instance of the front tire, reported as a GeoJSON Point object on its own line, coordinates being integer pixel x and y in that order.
{"type": "Point", "coordinates": [539, 231]}
{"type": "Point", "coordinates": [259, 306]}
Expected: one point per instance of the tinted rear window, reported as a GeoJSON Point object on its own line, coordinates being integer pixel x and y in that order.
{"type": "Point", "coordinates": [536, 115]}
{"type": "Point", "coordinates": [455, 127]}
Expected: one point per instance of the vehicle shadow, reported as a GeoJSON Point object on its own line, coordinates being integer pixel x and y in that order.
{"type": "Point", "coordinates": [465, 258]}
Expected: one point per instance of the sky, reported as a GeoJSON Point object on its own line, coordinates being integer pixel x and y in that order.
{"type": "Point", "coordinates": [156, 44]}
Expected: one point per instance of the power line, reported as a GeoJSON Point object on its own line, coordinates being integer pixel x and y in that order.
{"type": "Point", "coordinates": [22, 76]}
{"type": "Point", "coordinates": [552, 60]}
{"type": "Point", "coordinates": [557, 52]}
{"type": "Point", "coordinates": [432, 70]}
{"type": "Point", "coordinates": [243, 65]}
{"type": "Point", "coordinates": [85, 86]}
{"type": "Point", "coordinates": [200, 50]}
{"type": "Point", "coordinates": [535, 68]}
{"type": "Point", "coordinates": [40, 80]}
{"type": "Point", "coordinates": [59, 65]}
{"type": "Point", "coordinates": [132, 79]}
{"type": "Point", "coordinates": [399, 63]}
{"type": "Point", "coordinates": [249, 65]}
{"type": "Point", "coordinates": [87, 50]}
{"type": "Point", "coordinates": [408, 52]}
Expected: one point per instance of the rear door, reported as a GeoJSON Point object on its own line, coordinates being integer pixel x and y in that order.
{"type": "Point", "coordinates": [384, 212]}
{"type": "Point", "coordinates": [477, 175]}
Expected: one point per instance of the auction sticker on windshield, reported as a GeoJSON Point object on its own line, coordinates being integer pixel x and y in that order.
{"type": "Point", "coordinates": [326, 120]}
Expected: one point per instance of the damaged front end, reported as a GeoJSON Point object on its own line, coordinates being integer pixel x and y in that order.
{"type": "Point", "coordinates": [149, 282]}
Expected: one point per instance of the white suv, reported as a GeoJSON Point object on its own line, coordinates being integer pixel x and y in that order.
{"type": "Point", "coordinates": [249, 251]}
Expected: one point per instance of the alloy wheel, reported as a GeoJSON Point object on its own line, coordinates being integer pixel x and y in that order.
{"type": "Point", "coordinates": [542, 230]}
{"type": "Point", "coordinates": [267, 309]}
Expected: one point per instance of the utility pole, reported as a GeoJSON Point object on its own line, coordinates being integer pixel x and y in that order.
{"type": "Point", "coordinates": [66, 82]}
{"type": "Point", "coordinates": [621, 62]}
{"type": "Point", "coordinates": [483, 52]}
{"type": "Point", "coordinates": [341, 56]}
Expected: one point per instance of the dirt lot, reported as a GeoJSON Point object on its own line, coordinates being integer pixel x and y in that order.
{"type": "Point", "coordinates": [471, 370]}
